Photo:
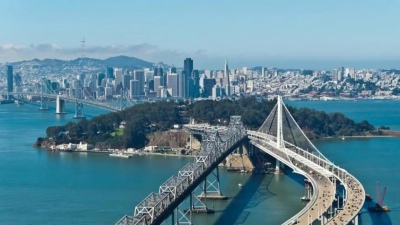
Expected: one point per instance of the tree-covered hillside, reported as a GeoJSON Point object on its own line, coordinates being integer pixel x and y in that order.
{"type": "Point", "coordinates": [142, 119]}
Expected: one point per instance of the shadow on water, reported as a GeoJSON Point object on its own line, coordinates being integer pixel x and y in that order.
{"type": "Point", "coordinates": [249, 196]}
{"type": "Point", "coordinates": [377, 218]}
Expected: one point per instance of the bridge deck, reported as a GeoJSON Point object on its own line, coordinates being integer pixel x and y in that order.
{"type": "Point", "coordinates": [323, 187]}
{"type": "Point", "coordinates": [354, 190]}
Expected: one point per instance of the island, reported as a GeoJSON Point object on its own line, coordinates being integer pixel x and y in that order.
{"type": "Point", "coordinates": [159, 123]}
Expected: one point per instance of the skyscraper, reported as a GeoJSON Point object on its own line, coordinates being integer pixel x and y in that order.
{"type": "Point", "coordinates": [100, 77]}
{"type": "Point", "coordinates": [158, 82]}
{"type": "Point", "coordinates": [182, 83]}
{"type": "Point", "coordinates": [188, 68]}
{"type": "Point", "coordinates": [10, 84]}
{"type": "Point", "coordinates": [139, 76]}
{"type": "Point", "coordinates": [110, 72]}
{"type": "Point", "coordinates": [173, 84]}
{"type": "Point", "coordinates": [172, 69]}
{"type": "Point", "coordinates": [226, 82]}
{"type": "Point", "coordinates": [195, 92]}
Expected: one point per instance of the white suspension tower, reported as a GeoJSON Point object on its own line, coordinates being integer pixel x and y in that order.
{"type": "Point", "coordinates": [279, 134]}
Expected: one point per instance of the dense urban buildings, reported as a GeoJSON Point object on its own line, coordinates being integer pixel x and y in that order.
{"type": "Point", "coordinates": [188, 82]}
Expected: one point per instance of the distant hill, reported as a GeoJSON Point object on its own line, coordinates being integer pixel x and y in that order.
{"type": "Point", "coordinates": [117, 61]}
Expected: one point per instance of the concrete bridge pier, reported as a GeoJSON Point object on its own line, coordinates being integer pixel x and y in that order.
{"type": "Point", "coordinates": [278, 167]}
{"type": "Point", "coordinates": [60, 106]}
{"type": "Point", "coordinates": [308, 190]}
{"type": "Point", "coordinates": [355, 220]}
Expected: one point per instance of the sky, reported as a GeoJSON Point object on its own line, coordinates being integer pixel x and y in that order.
{"type": "Point", "coordinates": [309, 34]}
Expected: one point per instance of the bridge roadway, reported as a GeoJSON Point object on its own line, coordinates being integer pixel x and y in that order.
{"type": "Point", "coordinates": [71, 99]}
{"type": "Point", "coordinates": [322, 186]}
{"type": "Point", "coordinates": [322, 181]}
{"type": "Point", "coordinates": [157, 207]}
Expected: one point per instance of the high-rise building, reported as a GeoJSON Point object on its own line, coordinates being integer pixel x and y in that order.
{"type": "Point", "coordinates": [110, 72]}
{"type": "Point", "coordinates": [158, 83]}
{"type": "Point", "coordinates": [182, 83]}
{"type": "Point", "coordinates": [188, 68]}
{"type": "Point", "coordinates": [139, 76]}
{"type": "Point", "coordinates": [195, 88]}
{"type": "Point", "coordinates": [134, 88]}
{"type": "Point", "coordinates": [126, 82]}
{"type": "Point", "coordinates": [100, 77]}
{"type": "Point", "coordinates": [173, 84]}
{"type": "Point", "coordinates": [118, 76]}
{"type": "Point", "coordinates": [216, 92]}
{"type": "Point", "coordinates": [10, 84]}
{"type": "Point", "coordinates": [226, 82]}
{"type": "Point", "coordinates": [208, 84]}
{"type": "Point", "coordinates": [172, 70]}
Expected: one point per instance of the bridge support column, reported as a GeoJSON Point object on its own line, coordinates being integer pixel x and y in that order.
{"type": "Point", "coordinates": [355, 220]}
{"type": "Point", "coordinates": [211, 188]}
{"type": "Point", "coordinates": [78, 110]}
{"type": "Point", "coordinates": [278, 167]}
{"type": "Point", "coordinates": [60, 106]}
{"type": "Point", "coordinates": [191, 139]}
{"type": "Point", "coordinates": [182, 217]}
{"type": "Point", "coordinates": [43, 104]}
{"type": "Point", "coordinates": [308, 190]}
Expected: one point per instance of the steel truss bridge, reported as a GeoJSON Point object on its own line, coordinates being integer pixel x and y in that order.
{"type": "Point", "coordinates": [335, 196]}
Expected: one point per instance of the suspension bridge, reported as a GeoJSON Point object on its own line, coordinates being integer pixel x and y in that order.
{"type": "Point", "coordinates": [45, 93]}
{"type": "Point", "coordinates": [335, 196]}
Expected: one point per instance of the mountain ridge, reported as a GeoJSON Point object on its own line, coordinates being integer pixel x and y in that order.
{"type": "Point", "coordinates": [123, 61]}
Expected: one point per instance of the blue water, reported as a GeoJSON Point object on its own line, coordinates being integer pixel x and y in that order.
{"type": "Point", "coordinates": [40, 187]}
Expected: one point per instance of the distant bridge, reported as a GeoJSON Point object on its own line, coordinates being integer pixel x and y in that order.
{"type": "Point", "coordinates": [70, 99]}
{"type": "Point", "coordinates": [280, 137]}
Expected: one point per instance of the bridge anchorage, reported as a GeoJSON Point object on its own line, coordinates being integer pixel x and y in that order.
{"type": "Point", "coordinates": [181, 196]}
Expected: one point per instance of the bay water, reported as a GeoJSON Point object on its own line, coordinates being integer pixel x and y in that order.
{"type": "Point", "coordinates": [41, 187]}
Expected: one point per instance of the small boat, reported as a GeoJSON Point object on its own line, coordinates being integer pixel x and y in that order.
{"type": "Point", "coordinates": [240, 185]}
{"type": "Point", "coordinates": [305, 198]}
{"type": "Point", "coordinates": [379, 208]}
{"type": "Point", "coordinates": [120, 154]}
{"type": "Point", "coordinates": [343, 138]}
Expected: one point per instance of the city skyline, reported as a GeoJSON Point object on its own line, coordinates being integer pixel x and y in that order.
{"type": "Point", "coordinates": [315, 35]}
